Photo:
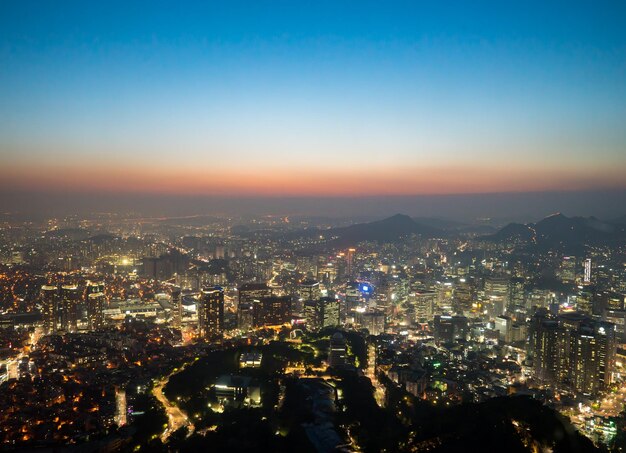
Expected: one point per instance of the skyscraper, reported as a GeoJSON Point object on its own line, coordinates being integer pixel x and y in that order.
{"type": "Point", "coordinates": [271, 311]}
{"type": "Point", "coordinates": [49, 308]}
{"type": "Point", "coordinates": [177, 307]}
{"type": "Point", "coordinates": [248, 293]}
{"type": "Point", "coordinates": [211, 312]}
{"type": "Point", "coordinates": [95, 310]}
{"type": "Point", "coordinates": [587, 271]}
{"type": "Point", "coordinates": [70, 299]}
{"type": "Point", "coordinates": [321, 313]}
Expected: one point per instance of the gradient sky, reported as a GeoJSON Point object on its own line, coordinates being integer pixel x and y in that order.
{"type": "Point", "coordinates": [312, 98]}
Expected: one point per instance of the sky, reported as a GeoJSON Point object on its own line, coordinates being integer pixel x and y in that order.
{"type": "Point", "coordinates": [312, 99]}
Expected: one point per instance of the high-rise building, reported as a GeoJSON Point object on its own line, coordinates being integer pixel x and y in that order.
{"type": "Point", "coordinates": [271, 311]}
{"type": "Point", "coordinates": [567, 269]}
{"type": "Point", "coordinates": [448, 329]}
{"type": "Point", "coordinates": [321, 313]}
{"type": "Point", "coordinates": [176, 302]}
{"type": "Point", "coordinates": [95, 310]}
{"type": "Point", "coordinates": [49, 308]}
{"type": "Point", "coordinates": [573, 350]}
{"type": "Point", "coordinates": [587, 271]}
{"type": "Point", "coordinates": [248, 293]}
{"type": "Point", "coordinates": [350, 262]}
{"type": "Point", "coordinates": [373, 321]}
{"type": "Point", "coordinates": [338, 350]}
{"type": "Point", "coordinates": [70, 300]}
{"type": "Point", "coordinates": [497, 291]}
{"type": "Point", "coordinates": [423, 302]}
{"type": "Point", "coordinates": [211, 312]}
{"type": "Point", "coordinates": [309, 289]}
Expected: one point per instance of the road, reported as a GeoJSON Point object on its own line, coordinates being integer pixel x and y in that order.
{"type": "Point", "coordinates": [176, 418]}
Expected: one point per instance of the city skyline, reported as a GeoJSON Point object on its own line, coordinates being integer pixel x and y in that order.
{"type": "Point", "coordinates": [323, 100]}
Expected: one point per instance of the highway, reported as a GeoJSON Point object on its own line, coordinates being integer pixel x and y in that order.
{"type": "Point", "coordinates": [176, 418]}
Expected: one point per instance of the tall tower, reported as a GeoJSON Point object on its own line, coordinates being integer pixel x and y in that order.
{"type": "Point", "coordinates": [49, 308]}
{"type": "Point", "coordinates": [177, 307]}
{"type": "Point", "coordinates": [95, 310]}
{"type": "Point", "coordinates": [211, 312]}
{"type": "Point", "coordinates": [350, 261]}
{"type": "Point", "coordinates": [70, 299]}
{"type": "Point", "coordinates": [587, 273]}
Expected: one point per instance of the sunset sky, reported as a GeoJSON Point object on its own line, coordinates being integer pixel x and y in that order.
{"type": "Point", "coordinates": [317, 98]}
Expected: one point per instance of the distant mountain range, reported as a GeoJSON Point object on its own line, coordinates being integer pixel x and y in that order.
{"type": "Point", "coordinates": [559, 231]}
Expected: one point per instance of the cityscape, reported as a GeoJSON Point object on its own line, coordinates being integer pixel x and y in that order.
{"type": "Point", "coordinates": [326, 227]}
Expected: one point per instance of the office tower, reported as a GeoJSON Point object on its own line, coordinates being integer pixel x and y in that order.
{"type": "Point", "coordinates": [584, 301]}
{"type": "Point", "coordinates": [176, 303]}
{"type": "Point", "coordinates": [592, 357]}
{"type": "Point", "coordinates": [573, 350]}
{"type": "Point", "coordinates": [245, 315]}
{"type": "Point", "coordinates": [567, 269]}
{"type": "Point", "coordinates": [271, 311]}
{"type": "Point", "coordinates": [544, 346]}
{"type": "Point", "coordinates": [423, 302]}
{"type": "Point", "coordinates": [95, 310]}
{"type": "Point", "coordinates": [321, 313]}
{"type": "Point", "coordinates": [449, 329]}
{"type": "Point", "coordinates": [587, 271]}
{"type": "Point", "coordinates": [497, 291]}
{"type": "Point", "coordinates": [373, 321]}
{"type": "Point", "coordinates": [309, 289]}
{"type": "Point", "coordinates": [49, 308]}
{"type": "Point", "coordinates": [249, 292]}
{"type": "Point", "coordinates": [517, 295]}
{"type": "Point", "coordinates": [350, 262]}
{"type": "Point", "coordinates": [353, 299]}
{"type": "Point", "coordinates": [504, 326]}
{"type": "Point", "coordinates": [338, 350]}
{"type": "Point", "coordinates": [211, 312]}
{"type": "Point", "coordinates": [463, 295]}
{"type": "Point", "coordinates": [70, 299]}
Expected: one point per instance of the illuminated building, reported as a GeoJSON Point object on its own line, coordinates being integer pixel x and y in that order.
{"type": "Point", "coordinates": [463, 295]}
{"type": "Point", "coordinates": [250, 360]}
{"type": "Point", "coordinates": [497, 291]}
{"type": "Point", "coordinates": [232, 388]}
{"type": "Point", "coordinates": [321, 313]}
{"type": "Point", "coordinates": [95, 310]}
{"type": "Point", "coordinates": [567, 269]}
{"type": "Point", "coordinates": [247, 294]}
{"type": "Point", "coordinates": [587, 271]}
{"type": "Point", "coordinates": [211, 312]}
{"type": "Point", "coordinates": [449, 329]}
{"type": "Point", "coordinates": [70, 299]}
{"type": "Point", "coordinates": [423, 303]}
{"type": "Point", "coordinates": [504, 326]}
{"type": "Point", "coordinates": [350, 262]}
{"type": "Point", "coordinates": [338, 350]}
{"type": "Point", "coordinates": [177, 307]}
{"type": "Point", "coordinates": [49, 308]}
{"type": "Point", "coordinates": [271, 311]}
{"type": "Point", "coordinates": [309, 289]}
{"type": "Point", "coordinates": [373, 321]}
{"type": "Point", "coordinates": [573, 350]}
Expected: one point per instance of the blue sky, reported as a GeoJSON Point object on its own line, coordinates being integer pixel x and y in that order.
{"type": "Point", "coordinates": [457, 88]}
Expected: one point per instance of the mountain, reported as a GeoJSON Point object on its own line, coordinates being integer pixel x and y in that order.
{"type": "Point", "coordinates": [558, 231]}
{"type": "Point", "coordinates": [387, 230]}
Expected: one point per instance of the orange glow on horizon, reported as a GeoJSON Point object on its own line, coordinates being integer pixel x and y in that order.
{"type": "Point", "coordinates": [305, 181]}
